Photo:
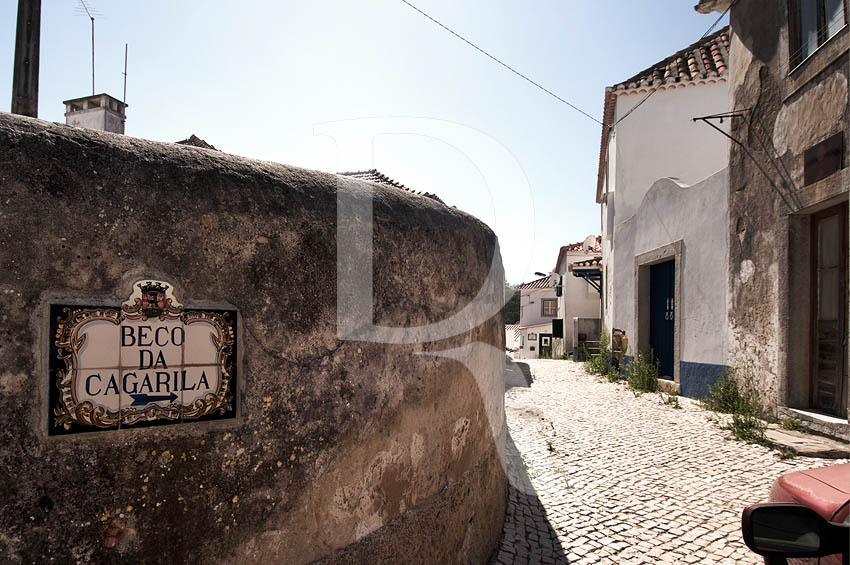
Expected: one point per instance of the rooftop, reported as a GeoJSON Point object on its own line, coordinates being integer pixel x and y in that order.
{"type": "Point", "coordinates": [196, 141]}
{"type": "Point", "coordinates": [373, 175]}
{"type": "Point", "coordinates": [542, 282]}
{"type": "Point", "coordinates": [587, 263]}
{"type": "Point", "coordinates": [705, 58]}
{"type": "Point", "coordinates": [591, 244]}
{"type": "Point", "coordinates": [92, 96]}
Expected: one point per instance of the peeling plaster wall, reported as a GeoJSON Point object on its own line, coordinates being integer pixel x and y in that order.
{"type": "Point", "coordinates": [343, 451]}
{"type": "Point", "coordinates": [790, 110]}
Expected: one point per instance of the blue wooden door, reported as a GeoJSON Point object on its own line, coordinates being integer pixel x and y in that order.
{"type": "Point", "coordinates": [662, 285]}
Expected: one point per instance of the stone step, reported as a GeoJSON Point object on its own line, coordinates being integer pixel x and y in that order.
{"type": "Point", "coordinates": [807, 445]}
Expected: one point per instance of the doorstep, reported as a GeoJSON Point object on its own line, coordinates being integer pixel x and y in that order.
{"type": "Point", "coordinates": [807, 445]}
{"type": "Point", "coordinates": [822, 424]}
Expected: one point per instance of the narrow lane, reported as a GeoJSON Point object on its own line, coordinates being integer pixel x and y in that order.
{"type": "Point", "coordinates": [606, 476]}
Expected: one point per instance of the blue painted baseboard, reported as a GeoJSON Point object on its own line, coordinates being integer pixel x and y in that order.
{"type": "Point", "coordinates": [695, 378]}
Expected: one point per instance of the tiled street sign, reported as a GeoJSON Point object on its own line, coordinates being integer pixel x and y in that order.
{"type": "Point", "coordinates": [149, 361]}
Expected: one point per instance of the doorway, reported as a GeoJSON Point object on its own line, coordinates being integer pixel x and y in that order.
{"type": "Point", "coordinates": [828, 381]}
{"type": "Point", "coordinates": [662, 285]}
{"type": "Point", "coordinates": [545, 346]}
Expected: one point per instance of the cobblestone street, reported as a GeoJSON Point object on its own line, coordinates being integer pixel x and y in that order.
{"type": "Point", "coordinates": [599, 475]}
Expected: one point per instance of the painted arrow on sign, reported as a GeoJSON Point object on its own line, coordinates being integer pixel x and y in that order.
{"type": "Point", "coordinates": [142, 399]}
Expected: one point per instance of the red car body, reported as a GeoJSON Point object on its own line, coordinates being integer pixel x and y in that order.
{"type": "Point", "coordinates": [826, 490]}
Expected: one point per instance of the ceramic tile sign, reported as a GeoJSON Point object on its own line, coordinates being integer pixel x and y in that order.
{"type": "Point", "coordinates": [147, 362]}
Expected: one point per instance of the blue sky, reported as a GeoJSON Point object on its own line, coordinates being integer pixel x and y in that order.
{"type": "Point", "coordinates": [287, 81]}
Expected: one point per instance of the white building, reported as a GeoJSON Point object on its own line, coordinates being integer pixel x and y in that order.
{"type": "Point", "coordinates": [538, 306]}
{"type": "Point", "coordinates": [578, 298]}
{"type": "Point", "coordinates": [512, 337]}
{"type": "Point", "coordinates": [663, 187]}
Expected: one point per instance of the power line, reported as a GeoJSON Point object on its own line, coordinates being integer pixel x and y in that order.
{"type": "Point", "coordinates": [654, 90]}
{"type": "Point", "coordinates": [510, 68]}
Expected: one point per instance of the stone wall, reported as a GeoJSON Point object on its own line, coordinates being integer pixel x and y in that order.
{"type": "Point", "coordinates": [340, 451]}
{"type": "Point", "coordinates": [784, 112]}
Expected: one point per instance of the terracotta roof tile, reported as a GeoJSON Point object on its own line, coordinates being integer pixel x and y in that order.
{"type": "Point", "coordinates": [576, 247]}
{"type": "Point", "coordinates": [593, 262]}
{"type": "Point", "coordinates": [681, 66]}
{"type": "Point", "coordinates": [196, 141]}
{"type": "Point", "coordinates": [542, 282]}
{"type": "Point", "coordinates": [706, 58]}
{"type": "Point", "coordinates": [373, 175]}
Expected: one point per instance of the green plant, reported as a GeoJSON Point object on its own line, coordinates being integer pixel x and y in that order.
{"type": "Point", "coordinates": [786, 453]}
{"type": "Point", "coordinates": [642, 373]}
{"type": "Point", "coordinates": [670, 400]}
{"type": "Point", "coordinates": [794, 425]}
{"type": "Point", "coordinates": [724, 396]}
{"type": "Point", "coordinates": [739, 397]}
{"type": "Point", "coordinates": [600, 363]}
{"type": "Point", "coordinates": [549, 446]}
{"type": "Point", "coordinates": [748, 428]}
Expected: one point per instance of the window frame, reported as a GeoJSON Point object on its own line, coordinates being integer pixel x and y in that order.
{"type": "Point", "coordinates": [795, 40]}
{"type": "Point", "coordinates": [544, 302]}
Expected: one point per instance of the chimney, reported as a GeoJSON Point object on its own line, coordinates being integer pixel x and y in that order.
{"type": "Point", "coordinates": [100, 111]}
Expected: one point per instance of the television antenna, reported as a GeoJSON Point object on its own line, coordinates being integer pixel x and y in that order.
{"type": "Point", "coordinates": [124, 100]}
{"type": "Point", "coordinates": [91, 13]}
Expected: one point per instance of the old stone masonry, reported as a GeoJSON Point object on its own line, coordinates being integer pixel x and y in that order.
{"type": "Point", "coordinates": [599, 475]}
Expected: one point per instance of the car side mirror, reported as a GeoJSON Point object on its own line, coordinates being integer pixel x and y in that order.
{"type": "Point", "coordinates": [791, 530]}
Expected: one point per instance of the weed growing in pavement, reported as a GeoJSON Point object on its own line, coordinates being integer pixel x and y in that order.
{"type": "Point", "coordinates": [549, 446]}
{"type": "Point", "coordinates": [642, 374]}
{"type": "Point", "coordinates": [748, 427]}
{"type": "Point", "coordinates": [794, 425]}
{"type": "Point", "coordinates": [724, 396]}
{"type": "Point", "coordinates": [739, 397]}
{"type": "Point", "coordinates": [786, 453]}
{"type": "Point", "coordinates": [600, 364]}
{"type": "Point", "coordinates": [670, 400]}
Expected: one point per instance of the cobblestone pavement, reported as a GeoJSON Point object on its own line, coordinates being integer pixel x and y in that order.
{"type": "Point", "coordinates": [608, 477]}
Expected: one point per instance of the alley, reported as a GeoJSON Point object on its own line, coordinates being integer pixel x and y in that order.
{"type": "Point", "coordinates": [599, 475]}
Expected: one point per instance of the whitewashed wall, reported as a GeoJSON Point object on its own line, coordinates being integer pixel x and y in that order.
{"type": "Point", "coordinates": [697, 215]}
{"type": "Point", "coordinates": [658, 140]}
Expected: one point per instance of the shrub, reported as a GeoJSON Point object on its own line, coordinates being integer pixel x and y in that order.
{"type": "Point", "coordinates": [670, 400]}
{"type": "Point", "coordinates": [724, 396]}
{"type": "Point", "coordinates": [743, 402]}
{"type": "Point", "coordinates": [795, 425]}
{"type": "Point", "coordinates": [642, 373]}
{"type": "Point", "coordinates": [600, 364]}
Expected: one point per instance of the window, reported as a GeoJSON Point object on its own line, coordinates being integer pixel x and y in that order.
{"type": "Point", "coordinates": [811, 23]}
{"type": "Point", "coordinates": [532, 337]}
{"type": "Point", "coordinates": [550, 306]}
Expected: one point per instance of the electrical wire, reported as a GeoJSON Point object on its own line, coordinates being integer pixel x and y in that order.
{"type": "Point", "coordinates": [655, 89]}
{"type": "Point", "coordinates": [510, 68]}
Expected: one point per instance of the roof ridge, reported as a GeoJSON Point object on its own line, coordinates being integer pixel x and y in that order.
{"type": "Point", "coordinates": [376, 176]}
{"type": "Point", "coordinates": [661, 70]}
